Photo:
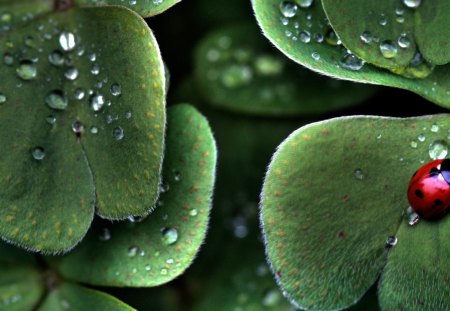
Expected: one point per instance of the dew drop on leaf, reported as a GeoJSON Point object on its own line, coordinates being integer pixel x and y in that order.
{"type": "Point", "coordinates": [315, 55]}
{"type": "Point", "coordinates": [132, 251]}
{"type": "Point", "coordinates": [116, 89]}
{"type": "Point", "coordinates": [118, 133]}
{"type": "Point", "coordinates": [67, 41]}
{"type": "Point", "coordinates": [434, 128]}
{"type": "Point", "coordinates": [56, 100]}
{"type": "Point", "coordinates": [366, 37]}
{"type": "Point", "coordinates": [388, 49]}
{"type": "Point", "coordinates": [2, 98]}
{"type": "Point", "coordinates": [94, 130]}
{"type": "Point", "coordinates": [421, 137]}
{"type": "Point", "coordinates": [26, 70]}
{"type": "Point", "coordinates": [38, 153]}
{"type": "Point", "coordinates": [304, 36]}
{"type": "Point", "coordinates": [403, 42]}
{"type": "Point", "coordinates": [95, 70]}
{"type": "Point", "coordinates": [79, 93]}
{"type": "Point", "coordinates": [391, 241]}
{"type": "Point", "coordinates": [359, 174]}
{"type": "Point", "coordinates": [71, 73]}
{"type": "Point", "coordinates": [164, 271]}
{"type": "Point", "coordinates": [351, 62]}
{"type": "Point", "coordinates": [288, 9]}
{"type": "Point", "coordinates": [77, 127]}
{"type": "Point", "coordinates": [56, 58]}
{"type": "Point", "coordinates": [193, 212]}
{"type": "Point", "coordinates": [8, 59]}
{"type": "Point", "coordinates": [97, 101]}
{"type": "Point", "coordinates": [332, 38]}
{"type": "Point", "coordinates": [413, 144]}
{"type": "Point", "coordinates": [169, 236]}
{"type": "Point", "coordinates": [304, 3]}
{"type": "Point", "coordinates": [438, 149]}
{"type": "Point", "coordinates": [105, 235]}
{"type": "Point", "coordinates": [413, 4]}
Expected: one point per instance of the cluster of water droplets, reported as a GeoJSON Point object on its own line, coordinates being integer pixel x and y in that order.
{"type": "Point", "coordinates": [437, 148]}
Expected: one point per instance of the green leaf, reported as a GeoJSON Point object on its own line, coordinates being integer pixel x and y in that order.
{"type": "Point", "coordinates": [145, 8]}
{"type": "Point", "coordinates": [419, 261]}
{"type": "Point", "coordinates": [157, 249]}
{"type": "Point", "coordinates": [367, 27]}
{"type": "Point", "coordinates": [20, 287]}
{"type": "Point", "coordinates": [13, 255]}
{"type": "Point", "coordinates": [237, 69]}
{"type": "Point", "coordinates": [48, 203]}
{"type": "Point", "coordinates": [334, 59]}
{"type": "Point", "coordinates": [74, 297]}
{"type": "Point", "coordinates": [334, 192]}
{"type": "Point", "coordinates": [17, 13]}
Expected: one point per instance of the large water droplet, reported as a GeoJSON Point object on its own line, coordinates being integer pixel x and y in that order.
{"type": "Point", "coordinates": [97, 101]}
{"type": "Point", "coordinates": [388, 49]}
{"type": "Point", "coordinates": [304, 36]}
{"type": "Point", "coordinates": [38, 153]}
{"type": "Point", "coordinates": [27, 70]}
{"type": "Point", "coordinates": [304, 3]}
{"type": "Point", "coordinates": [132, 251]}
{"type": "Point", "coordinates": [169, 236]}
{"type": "Point", "coordinates": [403, 42]}
{"type": "Point", "coordinates": [118, 133]}
{"type": "Point", "coordinates": [413, 4]}
{"type": "Point", "coordinates": [351, 62]}
{"type": "Point", "coordinates": [56, 100]}
{"type": "Point", "coordinates": [71, 73]}
{"type": "Point", "coordinates": [366, 37]}
{"type": "Point", "coordinates": [67, 41]}
{"type": "Point", "coordinates": [77, 127]}
{"type": "Point", "coordinates": [438, 149]}
{"type": "Point", "coordinates": [288, 8]}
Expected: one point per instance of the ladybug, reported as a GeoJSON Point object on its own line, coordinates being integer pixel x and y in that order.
{"type": "Point", "coordinates": [429, 189]}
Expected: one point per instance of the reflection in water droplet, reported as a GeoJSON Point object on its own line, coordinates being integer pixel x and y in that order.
{"type": "Point", "coordinates": [288, 8]}
{"type": "Point", "coordinates": [388, 49]}
{"type": "Point", "coordinates": [169, 236]}
{"type": "Point", "coordinates": [56, 100]}
{"type": "Point", "coordinates": [438, 149]}
{"type": "Point", "coordinates": [391, 241]}
{"type": "Point", "coordinates": [27, 70]}
{"type": "Point", "coordinates": [38, 153]}
{"type": "Point", "coordinates": [359, 174]}
{"type": "Point", "coordinates": [67, 41]}
{"type": "Point", "coordinates": [413, 4]}
{"type": "Point", "coordinates": [118, 133]}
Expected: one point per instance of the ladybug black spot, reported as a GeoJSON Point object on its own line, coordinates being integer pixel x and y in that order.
{"type": "Point", "coordinates": [418, 193]}
{"type": "Point", "coordinates": [438, 202]}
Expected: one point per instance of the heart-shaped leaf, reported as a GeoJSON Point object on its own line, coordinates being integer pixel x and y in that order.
{"type": "Point", "coordinates": [157, 249]}
{"type": "Point", "coordinates": [82, 120]}
{"type": "Point", "coordinates": [304, 35]}
{"type": "Point", "coordinates": [20, 287]}
{"type": "Point", "coordinates": [145, 8]}
{"type": "Point", "coordinates": [73, 297]}
{"type": "Point", "coordinates": [238, 70]}
{"type": "Point", "coordinates": [334, 192]}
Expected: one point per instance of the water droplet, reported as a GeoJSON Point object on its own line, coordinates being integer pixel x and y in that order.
{"type": "Point", "coordinates": [71, 73]}
{"type": "Point", "coordinates": [170, 261]}
{"type": "Point", "coordinates": [6, 18]}
{"type": "Point", "coordinates": [434, 128]}
{"type": "Point", "coordinates": [315, 55]}
{"type": "Point", "coordinates": [421, 137]}
{"type": "Point", "coordinates": [56, 100]}
{"type": "Point", "coordinates": [169, 236]}
{"type": "Point", "coordinates": [67, 41]}
{"type": "Point", "coordinates": [271, 298]}
{"type": "Point", "coordinates": [288, 9]}
{"type": "Point", "coordinates": [79, 94]}
{"type": "Point", "coordinates": [27, 70]}
{"type": "Point", "coordinates": [193, 212]}
{"type": "Point", "coordinates": [413, 144]}
{"type": "Point", "coordinates": [438, 149]}
{"type": "Point", "coordinates": [38, 153]}
{"type": "Point", "coordinates": [77, 127]}
{"type": "Point", "coordinates": [116, 89]}
{"type": "Point", "coordinates": [157, 2]}
{"type": "Point", "coordinates": [148, 268]}
{"type": "Point", "coordinates": [351, 62]}
{"type": "Point", "coordinates": [304, 3]}
{"type": "Point", "coordinates": [94, 130]}
{"type": "Point", "coordinates": [2, 98]}
{"type": "Point", "coordinates": [383, 20]}
{"type": "Point", "coordinates": [132, 251]}
{"type": "Point", "coordinates": [388, 49]}
{"type": "Point", "coordinates": [118, 133]}
{"type": "Point", "coordinates": [403, 42]}
{"type": "Point", "coordinates": [413, 219]}
{"type": "Point", "coordinates": [177, 176]}
{"type": "Point", "coordinates": [413, 4]}
{"type": "Point", "coordinates": [128, 115]}
{"type": "Point", "coordinates": [92, 57]}
{"type": "Point", "coordinates": [56, 58]}
{"type": "Point", "coordinates": [8, 59]}
{"type": "Point", "coordinates": [359, 174]}
{"type": "Point", "coordinates": [304, 36]}
{"type": "Point", "coordinates": [97, 101]}
{"type": "Point", "coordinates": [391, 241]}
{"type": "Point", "coordinates": [366, 37]}
{"type": "Point", "coordinates": [105, 235]}
{"type": "Point", "coordinates": [331, 38]}
{"type": "Point", "coordinates": [95, 69]}
{"type": "Point", "coordinates": [164, 271]}
{"type": "Point", "coordinates": [51, 119]}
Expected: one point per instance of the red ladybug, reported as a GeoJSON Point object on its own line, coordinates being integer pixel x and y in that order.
{"type": "Point", "coordinates": [429, 189]}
